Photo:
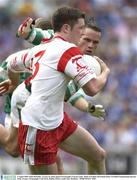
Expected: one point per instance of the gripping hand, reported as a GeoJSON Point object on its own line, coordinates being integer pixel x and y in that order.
{"type": "Point", "coordinates": [97, 111]}
{"type": "Point", "coordinates": [25, 29]}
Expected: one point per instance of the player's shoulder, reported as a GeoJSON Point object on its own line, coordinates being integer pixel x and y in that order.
{"type": "Point", "coordinates": [63, 43]}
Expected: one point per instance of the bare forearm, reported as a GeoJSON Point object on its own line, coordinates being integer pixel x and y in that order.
{"type": "Point", "coordinates": [102, 79]}
{"type": "Point", "coordinates": [81, 104]}
{"type": "Point", "coordinates": [95, 85]}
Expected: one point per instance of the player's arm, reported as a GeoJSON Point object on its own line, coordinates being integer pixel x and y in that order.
{"type": "Point", "coordinates": [75, 97]}
{"type": "Point", "coordinates": [16, 63]}
{"type": "Point", "coordinates": [93, 86]}
{"type": "Point", "coordinates": [72, 65]}
{"type": "Point", "coordinates": [83, 105]}
{"type": "Point", "coordinates": [10, 84]}
{"type": "Point", "coordinates": [33, 35]}
{"type": "Point", "coordinates": [78, 101]}
{"type": "Point", "coordinates": [6, 84]}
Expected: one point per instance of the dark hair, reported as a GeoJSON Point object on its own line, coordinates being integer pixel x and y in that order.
{"type": "Point", "coordinates": [66, 15]}
{"type": "Point", "coordinates": [42, 24]}
{"type": "Point", "coordinates": [91, 23]}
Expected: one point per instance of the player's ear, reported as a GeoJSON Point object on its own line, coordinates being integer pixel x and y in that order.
{"type": "Point", "coordinates": [66, 28]}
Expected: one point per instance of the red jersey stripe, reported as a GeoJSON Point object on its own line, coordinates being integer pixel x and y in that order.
{"type": "Point", "coordinates": [24, 61]}
{"type": "Point", "coordinates": [67, 55]}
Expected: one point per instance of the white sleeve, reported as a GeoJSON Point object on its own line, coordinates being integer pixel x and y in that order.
{"type": "Point", "coordinates": [19, 62]}
{"type": "Point", "coordinates": [72, 64]}
{"type": "Point", "coordinates": [79, 71]}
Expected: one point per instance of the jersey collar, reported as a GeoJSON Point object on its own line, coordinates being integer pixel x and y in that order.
{"type": "Point", "coordinates": [57, 36]}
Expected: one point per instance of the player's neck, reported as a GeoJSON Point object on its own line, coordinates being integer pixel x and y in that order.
{"type": "Point", "coordinates": [61, 36]}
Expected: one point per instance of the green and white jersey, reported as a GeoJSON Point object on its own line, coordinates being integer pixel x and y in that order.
{"type": "Point", "coordinates": [4, 76]}
{"type": "Point", "coordinates": [73, 92]}
{"type": "Point", "coordinates": [80, 93]}
{"type": "Point", "coordinates": [38, 36]}
{"type": "Point", "coordinates": [3, 71]}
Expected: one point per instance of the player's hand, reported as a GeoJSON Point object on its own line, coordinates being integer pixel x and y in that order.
{"type": "Point", "coordinates": [25, 28]}
{"type": "Point", "coordinates": [6, 87]}
{"type": "Point", "coordinates": [103, 65]}
{"type": "Point", "coordinates": [97, 111]}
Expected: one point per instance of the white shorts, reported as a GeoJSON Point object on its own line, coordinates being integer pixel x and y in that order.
{"type": "Point", "coordinates": [18, 100]}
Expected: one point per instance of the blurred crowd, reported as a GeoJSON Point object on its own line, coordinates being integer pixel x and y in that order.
{"type": "Point", "coordinates": [118, 48]}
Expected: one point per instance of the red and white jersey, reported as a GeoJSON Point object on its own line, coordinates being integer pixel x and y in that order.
{"type": "Point", "coordinates": [18, 100]}
{"type": "Point", "coordinates": [18, 62]}
{"type": "Point", "coordinates": [53, 64]}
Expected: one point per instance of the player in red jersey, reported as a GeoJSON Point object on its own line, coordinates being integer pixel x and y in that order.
{"type": "Point", "coordinates": [79, 66]}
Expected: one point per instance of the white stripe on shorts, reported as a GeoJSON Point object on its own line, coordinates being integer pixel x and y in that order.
{"type": "Point", "coordinates": [30, 146]}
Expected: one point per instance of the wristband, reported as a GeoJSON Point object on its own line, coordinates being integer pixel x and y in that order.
{"type": "Point", "coordinates": [74, 98]}
{"type": "Point", "coordinates": [32, 30]}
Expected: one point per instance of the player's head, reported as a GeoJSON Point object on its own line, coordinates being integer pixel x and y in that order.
{"type": "Point", "coordinates": [90, 37]}
{"type": "Point", "coordinates": [69, 22]}
{"type": "Point", "coordinates": [42, 24]}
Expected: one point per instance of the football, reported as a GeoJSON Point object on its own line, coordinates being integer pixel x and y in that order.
{"type": "Point", "coordinates": [92, 63]}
